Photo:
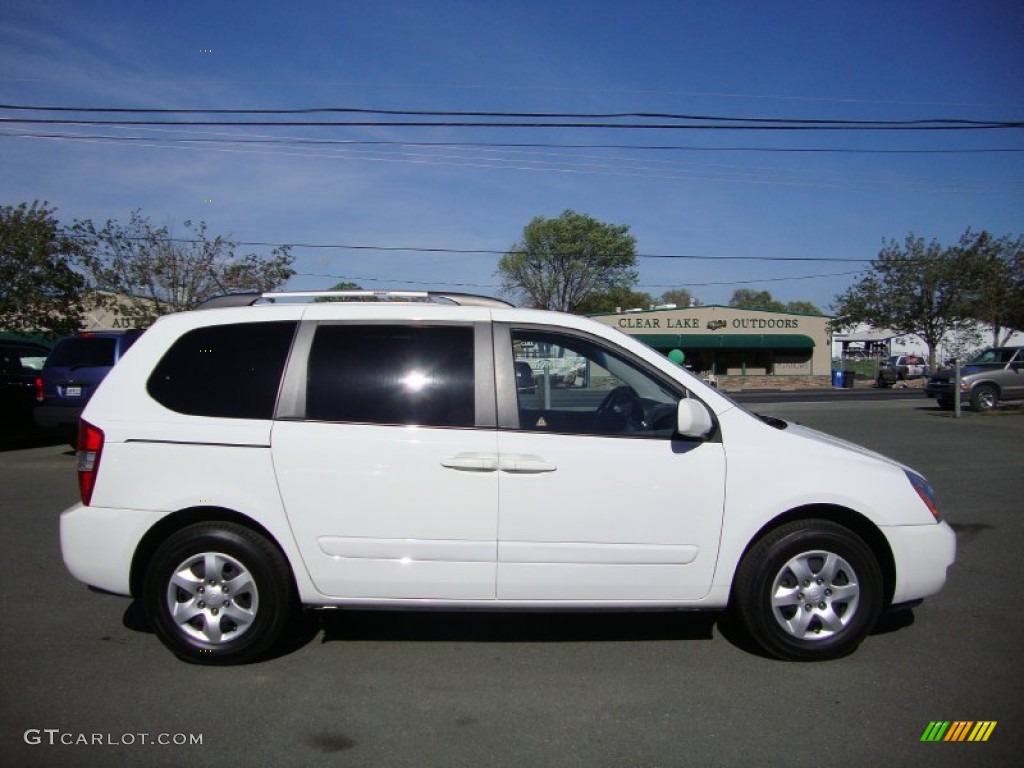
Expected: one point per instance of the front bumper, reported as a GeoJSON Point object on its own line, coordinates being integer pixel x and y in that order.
{"type": "Point", "coordinates": [923, 554]}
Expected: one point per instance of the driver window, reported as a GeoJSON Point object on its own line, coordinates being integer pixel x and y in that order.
{"type": "Point", "coordinates": [571, 385]}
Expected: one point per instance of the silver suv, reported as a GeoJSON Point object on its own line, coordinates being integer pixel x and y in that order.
{"type": "Point", "coordinates": [995, 375]}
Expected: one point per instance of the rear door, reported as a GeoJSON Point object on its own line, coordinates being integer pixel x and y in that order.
{"type": "Point", "coordinates": [385, 451]}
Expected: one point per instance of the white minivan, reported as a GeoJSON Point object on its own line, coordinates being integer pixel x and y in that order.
{"type": "Point", "coordinates": [277, 452]}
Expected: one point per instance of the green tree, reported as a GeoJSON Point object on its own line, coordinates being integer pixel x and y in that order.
{"type": "Point", "coordinates": [40, 289]}
{"type": "Point", "coordinates": [617, 298]}
{"type": "Point", "coordinates": [746, 298]}
{"type": "Point", "coordinates": [681, 297]}
{"type": "Point", "coordinates": [152, 273]}
{"type": "Point", "coordinates": [999, 300]}
{"type": "Point", "coordinates": [918, 287]}
{"type": "Point", "coordinates": [342, 286]}
{"type": "Point", "coordinates": [561, 263]}
{"type": "Point", "coordinates": [802, 308]}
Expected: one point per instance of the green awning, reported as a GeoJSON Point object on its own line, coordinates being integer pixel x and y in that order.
{"type": "Point", "coordinates": [686, 341]}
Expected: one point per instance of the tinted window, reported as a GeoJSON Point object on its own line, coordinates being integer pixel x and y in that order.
{"type": "Point", "coordinates": [83, 351]}
{"type": "Point", "coordinates": [231, 371]}
{"type": "Point", "coordinates": [387, 374]}
{"type": "Point", "coordinates": [21, 360]}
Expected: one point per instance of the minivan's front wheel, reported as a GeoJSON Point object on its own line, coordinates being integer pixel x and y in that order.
{"type": "Point", "coordinates": [217, 593]}
{"type": "Point", "coordinates": [808, 590]}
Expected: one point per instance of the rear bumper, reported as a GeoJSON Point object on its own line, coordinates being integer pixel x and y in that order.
{"type": "Point", "coordinates": [50, 416]}
{"type": "Point", "coordinates": [98, 544]}
{"type": "Point", "coordinates": [923, 554]}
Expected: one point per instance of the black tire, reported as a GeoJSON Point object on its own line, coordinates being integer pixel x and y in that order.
{"type": "Point", "coordinates": [830, 612]}
{"type": "Point", "coordinates": [232, 616]}
{"type": "Point", "coordinates": [984, 397]}
{"type": "Point", "coordinates": [946, 403]}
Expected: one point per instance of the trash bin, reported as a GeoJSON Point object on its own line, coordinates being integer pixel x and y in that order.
{"type": "Point", "coordinates": [837, 378]}
{"type": "Point", "coordinates": [848, 377]}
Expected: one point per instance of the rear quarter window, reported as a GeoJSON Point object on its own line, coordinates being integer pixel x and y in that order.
{"type": "Point", "coordinates": [392, 374]}
{"type": "Point", "coordinates": [228, 371]}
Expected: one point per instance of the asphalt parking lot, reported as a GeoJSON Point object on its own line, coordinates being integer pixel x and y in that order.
{"type": "Point", "coordinates": [404, 689]}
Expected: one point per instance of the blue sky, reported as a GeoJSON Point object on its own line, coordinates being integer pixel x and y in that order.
{"type": "Point", "coordinates": [715, 194]}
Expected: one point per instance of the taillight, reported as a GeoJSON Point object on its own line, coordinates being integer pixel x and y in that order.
{"type": "Point", "coordinates": [90, 448]}
{"type": "Point", "coordinates": [38, 383]}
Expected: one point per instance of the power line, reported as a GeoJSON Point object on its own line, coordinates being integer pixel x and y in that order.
{"type": "Point", "coordinates": [496, 119]}
{"type": "Point", "coordinates": [783, 126]}
{"type": "Point", "coordinates": [519, 115]}
{"type": "Point", "coordinates": [543, 162]}
{"type": "Point", "coordinates": [491, 252]}
{"type": "Point", "coordinates": [510, 145]}
{"type": "Point", "coordinates": [493, 87]}
{"type": "Point", "coordinates": [686, 284]}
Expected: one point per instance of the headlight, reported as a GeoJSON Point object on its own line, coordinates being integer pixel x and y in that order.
{"type": "Point", "coordinates": [925, 491]}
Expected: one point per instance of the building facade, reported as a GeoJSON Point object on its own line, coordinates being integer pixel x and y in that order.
{"type": "Point", "coordinates": [726, 341]}
{"type": "Point", "coordinates": [105, 311]}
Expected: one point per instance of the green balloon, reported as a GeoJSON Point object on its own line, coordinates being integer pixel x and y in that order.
{"type": "Point", "coordinates": [676, 356]}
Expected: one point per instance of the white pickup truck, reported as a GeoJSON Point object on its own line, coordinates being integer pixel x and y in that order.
{"type": "Point", "coordinates": [902, 368]}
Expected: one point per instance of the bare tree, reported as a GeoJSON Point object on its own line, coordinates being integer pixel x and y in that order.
{"type": "Point", "coordinates": [149, 272]}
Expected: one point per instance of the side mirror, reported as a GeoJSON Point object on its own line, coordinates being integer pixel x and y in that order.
{"type": "Point", "coordinates": [693, 419]}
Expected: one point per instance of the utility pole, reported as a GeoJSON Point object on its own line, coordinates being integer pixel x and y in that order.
{"type": "Point", "coordinates": [956, 388]}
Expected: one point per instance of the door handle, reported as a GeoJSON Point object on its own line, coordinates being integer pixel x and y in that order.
{"type": "Point", "coordinates": [525, 463]}
{"type": "Point", "coordinates": [472, 462]}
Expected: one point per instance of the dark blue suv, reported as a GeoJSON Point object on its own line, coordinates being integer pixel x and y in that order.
{"type": "Point", "coordinates": [74, 369]}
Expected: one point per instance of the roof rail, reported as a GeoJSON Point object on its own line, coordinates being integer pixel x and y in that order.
{"type": "Point", "coordinates": [230, 300]}
{"type": "Point", "coordinates": [249, 299]}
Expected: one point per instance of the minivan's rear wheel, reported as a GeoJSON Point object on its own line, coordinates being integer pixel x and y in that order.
{"type": "Point", "coordinates": [217, 593]}
{"type": "Point", "coordinates": [808, 590]}
{"type": "Point", "coordinates": [984, 398]}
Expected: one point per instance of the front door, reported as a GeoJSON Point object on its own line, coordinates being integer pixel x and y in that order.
{"type": "Point", "coordinates": [599, 501]}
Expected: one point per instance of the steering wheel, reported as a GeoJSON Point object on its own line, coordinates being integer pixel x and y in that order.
{"type": "Point", "coordinates": [622, 402]}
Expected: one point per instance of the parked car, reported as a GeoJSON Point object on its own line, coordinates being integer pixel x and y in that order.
{"type": "Point", "coordinates": [994, 375]}
{"type": "Point", "coordinates": [20, 363]}
{"type": "Point", "coordinates": [73, 371]}
{"type": "Point", "coordinates": [899, 368]}
{"type": "Point", "coordinates": [244, 461]}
